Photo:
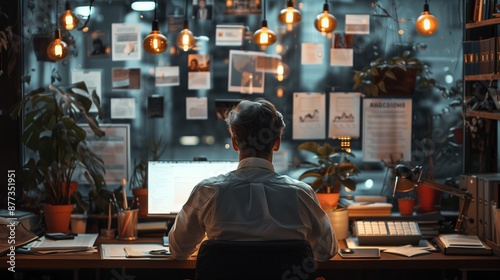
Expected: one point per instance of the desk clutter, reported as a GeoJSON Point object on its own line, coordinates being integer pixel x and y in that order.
{"type": "Point", "coordinates": [134, 251]}
{"type": "Point", "coordinates": [80, 243]}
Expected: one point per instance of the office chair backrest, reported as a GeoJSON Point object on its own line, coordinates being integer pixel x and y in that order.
{"type": "Point", "coordinates": [283, 259]}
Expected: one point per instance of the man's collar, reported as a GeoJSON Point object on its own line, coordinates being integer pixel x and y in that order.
{"type": "Point", "coordinates": [255, 162]}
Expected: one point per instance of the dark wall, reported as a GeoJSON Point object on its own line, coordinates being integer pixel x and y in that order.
{"type": "Point", "coordinates": [10, 92]}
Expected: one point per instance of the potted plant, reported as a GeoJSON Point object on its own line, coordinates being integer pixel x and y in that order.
{"type": "Point", "coordinates": [52, 134]}
{"type": "Point", "coordinates": [399, 75]}
{"type": "Point", "coordinates": [329, 168]}
{"type": "Point", "coordinates": [139, 178]}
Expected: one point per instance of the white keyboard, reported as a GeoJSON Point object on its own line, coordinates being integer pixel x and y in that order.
{"type": "Point", "coordinates": [389, 233]}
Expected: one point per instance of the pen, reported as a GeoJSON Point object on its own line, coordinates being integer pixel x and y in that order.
{"type": "Point", "coordinates": [124, 192]}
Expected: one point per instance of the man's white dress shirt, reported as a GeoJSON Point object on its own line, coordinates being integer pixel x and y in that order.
{"type": "Point", "coordinates": [252, 203]}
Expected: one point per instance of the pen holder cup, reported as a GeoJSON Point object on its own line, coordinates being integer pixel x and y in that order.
{"type": "Point", "coordinates": [78, 223]}
{"type": "Point", "coordinates": [127, 224]}
{"type": "Point", "coordinates": [339, 219]}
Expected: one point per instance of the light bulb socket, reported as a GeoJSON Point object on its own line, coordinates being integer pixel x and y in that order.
{"type": "Point", "coordinates": [57, 34]}
{"type": "Point", "coordinates": [326, 7]}
{"type": "Point", "coordinates": [155, 25]}
{"type": "Point", "coordinates": [186, 24]}
{"type": "Point", "coordinates": [289, 3]}
{"type": "Point", "coordinates": [264, 23]}
{"type": "Point", "coordinates": [68, 6]}
{"type": "Point", "coordinates": [426, 7]}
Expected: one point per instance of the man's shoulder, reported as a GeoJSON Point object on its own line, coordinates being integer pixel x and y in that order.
{"type": "Point", "coordinates": [285, 179]}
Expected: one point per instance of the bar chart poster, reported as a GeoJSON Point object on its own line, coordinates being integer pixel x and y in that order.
{"type": "Point", "coordinates": [386, 129]}
{"type": "Point", "coordinates": [309, 115]}
{"type": "Point", "coordinates": [344, 114]}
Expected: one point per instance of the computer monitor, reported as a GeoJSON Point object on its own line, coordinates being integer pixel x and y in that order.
{"type": "Point", "coordinates": [170, 182]}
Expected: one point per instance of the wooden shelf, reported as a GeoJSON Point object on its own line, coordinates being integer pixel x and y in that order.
{"type": "Point", "coordinates": [482, 77]}
{"type": "Point", "coordinates": [483, 114]}
{"type": "Point", "coordinates": [482, 23]}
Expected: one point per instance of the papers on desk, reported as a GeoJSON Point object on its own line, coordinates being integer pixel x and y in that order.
{"type": "Point", "coordinates": [82, 243]}
{"type": "Point", "coordinates": [131, 251]}
{"type": "Point", "coordinates": [408, 251]}
{"type": "Point", "coordinates": [13, 234]}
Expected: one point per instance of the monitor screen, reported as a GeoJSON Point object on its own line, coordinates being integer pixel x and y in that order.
{"type": "Point", "coordinates": [170, 182]}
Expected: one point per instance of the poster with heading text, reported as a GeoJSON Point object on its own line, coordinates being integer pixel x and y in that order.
{"type": "Point", "coordinates": [386, 129]}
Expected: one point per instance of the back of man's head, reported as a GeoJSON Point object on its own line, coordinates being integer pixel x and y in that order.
{"type": "Point", "coordinates": [255, 126]}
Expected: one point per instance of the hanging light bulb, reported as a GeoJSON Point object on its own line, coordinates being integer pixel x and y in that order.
{"type": "Point", "coordinates": [289, 15]}
{"type": "Point", "coordinates": [264, 36]}
{"type": "Point", "coordinates": [185, 39]}
{"type": "Point", "coordinates": [155, 42]}
{"type": "Point", "coordinates": [426, 24]}
{"type": "Point", "coordinates": [68, 20]}
{"type": "Point", "coordinates": [282, 71]}
{"type": "Point", "coordinates": [57, 49]}
{"type": "Point", "coordinates": [325, 22]}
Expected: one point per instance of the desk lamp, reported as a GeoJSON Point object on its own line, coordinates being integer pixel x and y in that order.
{"type": "Point", "coordinates": [408, 178]}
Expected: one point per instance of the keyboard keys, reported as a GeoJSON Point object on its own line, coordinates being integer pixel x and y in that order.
{"type": "Point", "coordinates": [393, 233]}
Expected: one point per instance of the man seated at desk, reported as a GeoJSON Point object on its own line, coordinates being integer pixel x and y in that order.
{"type": "Point", "coordinates": [253, 203]}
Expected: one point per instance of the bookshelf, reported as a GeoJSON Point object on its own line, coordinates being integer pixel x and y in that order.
{"type": "Point", "coordinates": [481, 44]}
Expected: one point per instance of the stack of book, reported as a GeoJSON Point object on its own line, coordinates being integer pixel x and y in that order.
{"type": "Point", "coordinates": [369, 209]}
{"type": "Point", "coordinates": [81, 243]}
{"type": "Point", "coordinates": [459, 244]}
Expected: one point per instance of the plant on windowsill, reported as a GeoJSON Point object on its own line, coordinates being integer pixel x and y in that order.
{"type": "Point", "coordinates": [329, 168]}
{"type": "Point", "coordinates": [139, 179]}
{"type": "Point", "coordinates": [399, 75]}
{"type": "Point", "coordinates": [55, 141]}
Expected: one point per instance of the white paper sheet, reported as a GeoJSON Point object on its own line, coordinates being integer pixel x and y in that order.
{"type": "Point", "coordinates": [357, 24]}
{"type": "Point", "coordinates": [122, 108]}
{"type": "Point", "coordinates": [309, 115]}
{"type": "Point", "coordinates": [196, 108]}
{"type": "Point", "coordinates": [229, 35]}
{"type": "Point", "coordinates": [344, 114]}
{"type": "Point", "coordinates": [167, 76]}
{"type": "Point", "coordinates": [312, 53]}
{"type": "Point", "coordinates": [126, 41]}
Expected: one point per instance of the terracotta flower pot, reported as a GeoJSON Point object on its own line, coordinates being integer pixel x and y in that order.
{"type": "Point", "coordinates": [57, 217]}
{"type": "Point", "coordinates": [427, 198]}
{"type": "Point", "coordinates": [328, 201]}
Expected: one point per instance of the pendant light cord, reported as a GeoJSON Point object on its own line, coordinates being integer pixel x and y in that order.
{"type": "Point", "coordinates": [185, 10]}
{"type": "Point", "coordinates": [57, 9]}
{"type": "Point", "coordinates": [155, 9]}
{"type": "Point", "coordinates": [264, 4]}
{"type": "Point", "coordinates": [91, 2]}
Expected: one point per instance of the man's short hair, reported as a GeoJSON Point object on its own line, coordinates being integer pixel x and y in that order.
{"type": "Point", "coordinates": [255, 126]}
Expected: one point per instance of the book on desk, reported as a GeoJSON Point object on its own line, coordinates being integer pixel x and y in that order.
{"type": "Point", "coordinates": [459, 244]}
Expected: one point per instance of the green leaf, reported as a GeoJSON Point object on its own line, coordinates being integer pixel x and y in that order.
{"type": "Point", "coordinates": [309, 146]}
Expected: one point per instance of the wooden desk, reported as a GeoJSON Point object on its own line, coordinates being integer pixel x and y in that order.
{"type": "Point", "coordinates": [333, 268]}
